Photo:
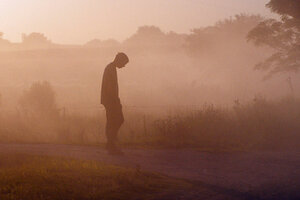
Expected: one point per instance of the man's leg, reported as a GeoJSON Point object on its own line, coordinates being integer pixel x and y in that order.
{"type": "Point", "coordinates": [109, 135]}
{"type": "Point", "coordinates": [109, 128]}
{"type": "Point", "coordinates": [118, 121]}
{"type": "Point", "coordinates": [112, 146]}
{"type": "Point", "coordinates": [114, 122]}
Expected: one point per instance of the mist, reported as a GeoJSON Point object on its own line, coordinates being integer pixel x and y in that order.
{"type": "Point", "coordinates": [210, 65]}
{"type": "Point", "coordinates": [165, 113]}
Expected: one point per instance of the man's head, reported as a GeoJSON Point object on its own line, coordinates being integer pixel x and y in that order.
{"type": "Point", "coordinates": [121, 60]}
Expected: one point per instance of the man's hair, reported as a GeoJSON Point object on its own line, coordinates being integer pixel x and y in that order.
{"type": "Point", "coordinates": [122, 57]}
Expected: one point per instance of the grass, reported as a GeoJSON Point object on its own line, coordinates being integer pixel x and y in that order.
{"type": "Point", "coordinates": [259, 124]}
{"type": "Point", "coordinates": [256, 125]}
{"type": "Point", "coordinates": [40, 178]}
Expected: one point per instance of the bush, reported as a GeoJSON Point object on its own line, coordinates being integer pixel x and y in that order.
{"type": "Point", "coordinates": [39, 101]}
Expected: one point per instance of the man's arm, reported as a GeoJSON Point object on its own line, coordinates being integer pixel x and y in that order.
{"type": "Point", "coordinates": [109, 91]}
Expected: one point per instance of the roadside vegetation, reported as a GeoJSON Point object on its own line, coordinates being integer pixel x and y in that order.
{"type": "Point", "coordinates": [255, 125]}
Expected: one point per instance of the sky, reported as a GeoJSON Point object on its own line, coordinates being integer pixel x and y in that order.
{"type": "Point", "coordinates": [78, 21]}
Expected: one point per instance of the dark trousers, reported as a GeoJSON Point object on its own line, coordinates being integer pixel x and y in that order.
{"type": "Point", "coordinates": [114, 120]}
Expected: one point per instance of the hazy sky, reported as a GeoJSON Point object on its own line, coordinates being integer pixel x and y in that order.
{"type": "Point", "coordinates": [77, 21]}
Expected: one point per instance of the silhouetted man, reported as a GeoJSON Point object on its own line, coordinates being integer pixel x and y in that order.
{"type": "Point", "coordinates": [111, 101]}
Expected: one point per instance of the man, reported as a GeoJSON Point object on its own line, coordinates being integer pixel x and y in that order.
{"type": "Point", "coordinates": [111, 101]}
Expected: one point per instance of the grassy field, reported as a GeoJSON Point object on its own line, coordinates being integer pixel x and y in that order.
{"type": "Point", "coordinates": [259, 124]}
{"type": "Point", "coordinates": [34, 177]}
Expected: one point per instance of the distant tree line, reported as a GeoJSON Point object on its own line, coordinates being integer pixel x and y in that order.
{"type": "Point", "coordinates": [151, 37]}
{"type": "Point", "coordinates": [282, 35]}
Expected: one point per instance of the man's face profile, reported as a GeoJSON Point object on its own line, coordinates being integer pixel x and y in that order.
{"type": "Point", "coordinates": [121, 64]}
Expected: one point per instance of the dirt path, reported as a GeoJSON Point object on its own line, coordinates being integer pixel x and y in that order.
{"type": "Point", "coordinates": [245, 172]}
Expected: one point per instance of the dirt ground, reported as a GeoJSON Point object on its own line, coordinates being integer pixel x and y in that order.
{"type": "Point", "coordinates": [263, 174]}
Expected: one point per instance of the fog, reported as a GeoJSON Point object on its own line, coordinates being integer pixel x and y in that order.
{"type": "Point", "coordinates": [211, 65]}
{"type": "Point", "coordinates": [165, 112]}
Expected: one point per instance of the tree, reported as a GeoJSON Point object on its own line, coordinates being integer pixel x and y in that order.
{"type": "Point", "coordinates": [39, 100]}
{"type": "Point", "coordinates": [152, 38]}
{"type": "Point", "coordinates": [35, 39]}
{"type": "Point", "coordinates": [102, 43]}
{"type": "Point", "coordinates": [147, 35]}
{"type": "Point", "coordinates": [282, 35]}
{"type": "Point", "coordinates": [230, 31]}
{"type": "Point", "coordinates": [3, 41]}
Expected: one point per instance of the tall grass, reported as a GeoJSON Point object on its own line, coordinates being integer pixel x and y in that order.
{"type": "Point", "coordinates": [258, 124]}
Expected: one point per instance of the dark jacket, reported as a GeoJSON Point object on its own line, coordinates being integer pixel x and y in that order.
{"type": "Point", "coordinates": [110, 89]}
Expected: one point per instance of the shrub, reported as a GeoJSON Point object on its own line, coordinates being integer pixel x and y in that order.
{"type": "Point", "coordinates": [39, 101]}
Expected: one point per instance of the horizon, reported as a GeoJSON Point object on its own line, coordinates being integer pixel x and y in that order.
{"type": "Point", "coordinates": [84, 17]}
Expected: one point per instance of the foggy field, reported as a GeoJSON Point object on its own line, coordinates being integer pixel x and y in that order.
{"type": "Point", "coordinates": [257, 125]}
{"type": "Point", "coordinates": [179, 90]}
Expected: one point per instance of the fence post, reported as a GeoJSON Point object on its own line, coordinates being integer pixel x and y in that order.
{"type": "Point", "coordinates": [145, 125]}
{"type": "Point", "coordinates": [64, 112]}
